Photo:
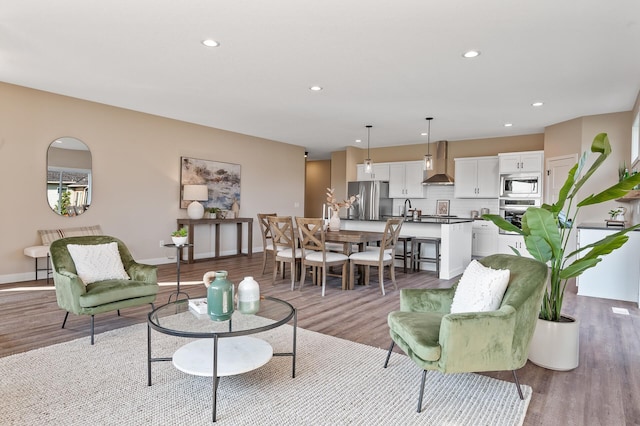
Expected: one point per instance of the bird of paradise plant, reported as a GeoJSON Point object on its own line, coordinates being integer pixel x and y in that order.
{"type": "Point", "coordinates": [546, 230]}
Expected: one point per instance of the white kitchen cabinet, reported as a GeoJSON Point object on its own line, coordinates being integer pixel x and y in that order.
{"type": "Point", "coordinates": [405, 179]}
{"type": "Point", "coordinates": [617, 276]}
{"type": "Point", "coordinates": [380, 172]}
{"type": "Point", "coordinates": [506, 241]}
{"type": "Point", "coordinates": [521, 162]}
{"type": "Point", "coordinates": [484, 238]}
{"type": "Point", "coordinates": [477, 177]}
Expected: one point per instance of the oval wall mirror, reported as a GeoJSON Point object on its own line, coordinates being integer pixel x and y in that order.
{"type": "Point", "coordinates": [69, 176]}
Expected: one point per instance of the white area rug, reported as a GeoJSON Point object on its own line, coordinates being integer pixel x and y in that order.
{"type": "Point", "coordinates": [337, 382]}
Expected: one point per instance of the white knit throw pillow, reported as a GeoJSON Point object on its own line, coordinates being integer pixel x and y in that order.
{"type": "Point", "coordinates": [480, 289]}
{"type": "Point", "coordinates": [97, 262]}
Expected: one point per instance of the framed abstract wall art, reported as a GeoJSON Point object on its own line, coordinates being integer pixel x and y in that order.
{"type": "Point", "coordinates": [222, 180]}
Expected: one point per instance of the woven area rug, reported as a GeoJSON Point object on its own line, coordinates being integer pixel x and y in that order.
{"type": "Point", "coordinates": [337, 382]}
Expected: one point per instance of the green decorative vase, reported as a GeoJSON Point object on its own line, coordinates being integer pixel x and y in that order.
{"type": "Point", "coordinates": [220, 297]}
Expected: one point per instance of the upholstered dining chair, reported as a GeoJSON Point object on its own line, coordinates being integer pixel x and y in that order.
{"type": "Point", "coordinates": [285, 244]}
{"type": "Point", "coordinates": [472, 340]}
{"type": "Point", "coordinates": [267, 241]}
{"type": "Point", "coordinates": [381, 256]}
{"type": "Point", "coordinates": [315, 253]}
{"type": "Point", "coordinates": [96, 274]}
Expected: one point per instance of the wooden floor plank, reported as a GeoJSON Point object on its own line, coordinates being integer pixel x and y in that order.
{"type": "Point", "coordinates": [603, 390]}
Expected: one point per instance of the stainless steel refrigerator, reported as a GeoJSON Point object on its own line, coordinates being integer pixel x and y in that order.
{"type": "Point", "coordinates": [374, 202]}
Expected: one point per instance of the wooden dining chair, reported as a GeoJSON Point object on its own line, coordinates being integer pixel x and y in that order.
{"type": "Point", "coordinates": [267, 241]}
{"type": "Point", "coordinates": [285, 245]}
{"type": "Point", "coordinates": [378, 256]}
{"type": "Point", "coordinates": [315, 252]}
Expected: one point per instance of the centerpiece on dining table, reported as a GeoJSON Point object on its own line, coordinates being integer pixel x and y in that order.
{"type": "Point", "coordinates": [335, 206]}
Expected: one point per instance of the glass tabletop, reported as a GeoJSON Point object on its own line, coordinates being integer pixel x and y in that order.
{"type": "Point", "coordinates": [180, 319]}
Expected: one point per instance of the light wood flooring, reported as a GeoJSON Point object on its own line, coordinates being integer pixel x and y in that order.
{"type": "Point", "coordinates": [603, 390]}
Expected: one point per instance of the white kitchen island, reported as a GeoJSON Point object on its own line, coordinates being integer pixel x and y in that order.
{"type": "Point", "coordinates": [455, 244]}
{"type": "Point", "coordinates": [617, 276]}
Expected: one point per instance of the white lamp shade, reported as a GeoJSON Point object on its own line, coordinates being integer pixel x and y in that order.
{"type": "Point", "coordinates": [195, 193]}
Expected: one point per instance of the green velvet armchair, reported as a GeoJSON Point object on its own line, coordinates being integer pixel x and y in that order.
{"type": "Point", "coordinates": [436, 339]}
{"type": "Point", "coordinates": [108, 295]}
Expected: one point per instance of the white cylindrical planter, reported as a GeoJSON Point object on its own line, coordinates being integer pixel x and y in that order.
{"type": "Point", "coordinates": [248, 296]}
{"type": "Point", "coordinates": [556, 345]}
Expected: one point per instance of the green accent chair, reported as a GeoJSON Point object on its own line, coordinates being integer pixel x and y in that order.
{"type": "Point", "coordinates": [102, 296]}
{"type": "Point", "coordinates": [498, 340]}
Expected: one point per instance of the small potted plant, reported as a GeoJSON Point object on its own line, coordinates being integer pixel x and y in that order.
{"type": "Point", "coordinates": [617, 214]}
{"type": "Point", "coordinates": [213, 212]}
{"type": "Point", "coordinates": [179, 237]}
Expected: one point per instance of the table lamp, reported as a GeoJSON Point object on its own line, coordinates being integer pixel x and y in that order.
{"type": "Point", "coordinates": [195, 193]}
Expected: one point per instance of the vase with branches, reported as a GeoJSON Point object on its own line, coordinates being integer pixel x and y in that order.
{"type": "Point", "coordinates": [335, 206]}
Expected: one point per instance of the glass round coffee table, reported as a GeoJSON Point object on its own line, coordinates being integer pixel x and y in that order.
{"type": "Point", "coordinates": [223, 348]}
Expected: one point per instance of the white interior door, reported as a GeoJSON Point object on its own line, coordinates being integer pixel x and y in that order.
{"type": "Point", "coordinates": [557, 171]}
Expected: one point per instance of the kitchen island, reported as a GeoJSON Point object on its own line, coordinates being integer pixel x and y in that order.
{"type": "Point", "coordinates": [455, 235]}
{"type": "Point", "coordinates": [617, 276]}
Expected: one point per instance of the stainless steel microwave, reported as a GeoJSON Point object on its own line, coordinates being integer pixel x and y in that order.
{"type": "Point", "coordinates": [520, 185]}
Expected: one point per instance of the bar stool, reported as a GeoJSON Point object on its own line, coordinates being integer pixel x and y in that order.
{"type": "Point", "coordinates": [416, 251]}
{"type": "Point", "coordinates": [407, 251]}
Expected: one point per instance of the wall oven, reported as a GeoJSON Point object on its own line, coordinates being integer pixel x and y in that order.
{"type": "Point", "coordinates": [520, 185]}
{"type": "Point", "coordinates": [512, 209]}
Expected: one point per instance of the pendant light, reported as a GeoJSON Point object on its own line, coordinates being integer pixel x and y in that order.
{"type": "Point", "coordinates": [368, 163]}
{"type": "Point", "coordinates": [428, 159]}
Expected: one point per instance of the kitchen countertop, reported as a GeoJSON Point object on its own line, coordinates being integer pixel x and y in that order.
{"type": "Point", "coordinates": [426, 219]}
{"type": "Point", "coordinates": [603, 226]}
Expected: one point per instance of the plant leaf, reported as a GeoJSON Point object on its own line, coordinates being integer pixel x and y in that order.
{"type": "Point", "coordinates": [616, 191]}
{"type": "Point", "coordinates": [578, 267]}
{"type": "Point", "coordinates": [600, 144]}
{"type": "Point", "coordinates": [542, 223]}
{"type": "Point", "coordinates": [605, 241]}
{"type": "Point", "coordinates": [538, 248]}
{"type": "Point", "coordinates": [502, 224]}
{"type": "Point", "coordinates": [566, 187]}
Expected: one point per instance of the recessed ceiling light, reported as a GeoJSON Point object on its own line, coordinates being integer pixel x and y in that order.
{"type": "Point", "coordinates": [508, 124]}
{"type": "Point", "coordinates": [210, 43]}
{"type": "Point", "coordinates": [358, 140]}
{"type": "Point", "coordinates": [471, 54]}
{"type": "Point", "coordinates": [315, 88]}
{"type": "Point", "coordinates": [424, 134]}
{"type": "Point", "coordinates": [537, 104]}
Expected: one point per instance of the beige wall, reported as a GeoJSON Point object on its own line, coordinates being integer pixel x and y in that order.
{"type": "Point", "coordinates": [618, 128]}
{"type": "Point", "coordinates": [339, 177]}
{"type": "Point", "coordinates": [576, 136]}
{"type": "Point", "coordinates": [318, 179]}
{"type": "Point", "coordinates": [136, 169]}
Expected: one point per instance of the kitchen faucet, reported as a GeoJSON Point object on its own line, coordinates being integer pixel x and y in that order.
{"type": "Point", "coordinates": [405, 207]}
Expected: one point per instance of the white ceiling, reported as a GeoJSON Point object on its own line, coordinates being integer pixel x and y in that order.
{"type": "Point", "coordinates": [389, 64]}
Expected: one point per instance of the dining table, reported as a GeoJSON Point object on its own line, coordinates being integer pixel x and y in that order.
{"type": "Point", "coordinates": [350, 237]}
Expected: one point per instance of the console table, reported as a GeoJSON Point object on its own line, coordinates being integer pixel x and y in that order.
{"type": "Point", "coordinates": [189, 223]}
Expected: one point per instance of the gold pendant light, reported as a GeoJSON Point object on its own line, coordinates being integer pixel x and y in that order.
{"type": "Point", "coordinates": [428, 159]}
{"type": "Point", "coordinates": [368, 163]}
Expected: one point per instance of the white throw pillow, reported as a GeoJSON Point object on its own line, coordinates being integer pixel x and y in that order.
{"type": "Point", "coordinates": [97, 262]}
{"type": "Point", "coordinates": [480, 289]}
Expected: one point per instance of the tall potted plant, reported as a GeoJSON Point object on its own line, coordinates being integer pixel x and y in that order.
{"type": "Point", "coordinates": [546, 231]}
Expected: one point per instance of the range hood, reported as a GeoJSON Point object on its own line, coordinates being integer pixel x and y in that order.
{"type": "Point", "coordinates": [441, 178]}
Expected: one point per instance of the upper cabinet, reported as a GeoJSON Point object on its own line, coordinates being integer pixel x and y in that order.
{"type": "Point", "coordinates": [380, 172]}
{"type": "Point", "coordinates": [518, 162]}
{"type": "Point", "coordinates": [405, 179]}
{"type": "Point", "coordinates": [477, 177]}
